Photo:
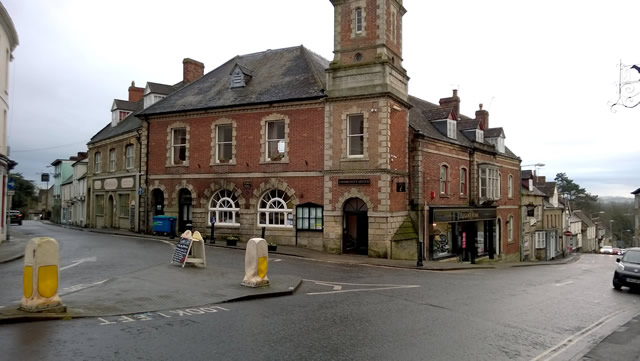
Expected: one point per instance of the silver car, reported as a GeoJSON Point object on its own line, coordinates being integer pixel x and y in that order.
{"type": "Point", "coordinates": [627, 271]}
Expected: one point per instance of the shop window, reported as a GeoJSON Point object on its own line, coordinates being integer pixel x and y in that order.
{"type": "Point", "coordinates": [100, 205]}
{"type": "Point", "coordinates": [309, 217]}
{"type": "Point", "coordinates": [123, 205]}
{"type": "Point", "coordinates": [442, 240]}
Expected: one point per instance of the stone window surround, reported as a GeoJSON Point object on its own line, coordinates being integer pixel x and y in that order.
{"type": "Point", "coordinates": [214, 143]}
{"type": "Point", "coordinates": [211, 209]}
{"type": "Point", "coordinates": [170, 129]}
{"type": "Point", "coordinates": [263, 138]}
{"type": "Point", "coordinates": [345, 134]}
{"type": "Point", "coordinates": [362, 5]}
{"type": "Point", "coordinates": [112, 159]}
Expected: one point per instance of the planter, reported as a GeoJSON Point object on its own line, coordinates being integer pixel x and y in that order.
{"type": "Point", "coordinates": [232, 241]}
{"type": "Point", "coordinates": [272, 247]}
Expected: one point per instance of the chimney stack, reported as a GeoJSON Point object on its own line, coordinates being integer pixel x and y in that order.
{"type": "Point", "coordinates": [192, 70]}
{"type": "Point", "coordinates": [452, 102]}
{"type": "Point", "coordinates": [483, 116]}
{"type": "Point", "coordinates": [135, 93]}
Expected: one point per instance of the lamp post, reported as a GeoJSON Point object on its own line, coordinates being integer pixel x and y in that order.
{"type": "Point", "coordinates": [611, 227]}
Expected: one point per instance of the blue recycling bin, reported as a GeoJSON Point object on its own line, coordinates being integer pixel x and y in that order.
{"type": "Point", "coordinates": [163, 224]}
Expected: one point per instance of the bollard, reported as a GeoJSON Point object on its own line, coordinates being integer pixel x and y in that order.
{"type": "Point", "coordinates": [256, 262]}
{"type": "Point", "coordinates": [41, 277]}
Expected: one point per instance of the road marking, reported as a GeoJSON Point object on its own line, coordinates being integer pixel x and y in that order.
{"type": "Point", "coordinates": [169, 243]}
{"type": "Point", "coordinates": [78, 287]}
{"type": "Point", "coordinates": [79, 261]}
{"type": "Point", "coordinates": [150, 316]}
{"type": "Point", "coordinates": [564, 283]}
{"type": "Point", "coordinates": [277, 260]}
{"type": "Point", "coordinates": [337, 287]}
{"type": "Point", "coordinates": [573, 339]}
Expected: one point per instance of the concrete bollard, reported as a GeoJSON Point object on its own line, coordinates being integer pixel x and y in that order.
{"type": "Point", "coordinates": [41, 275]}
{"type": "Point", "coordinates": [256, 262]}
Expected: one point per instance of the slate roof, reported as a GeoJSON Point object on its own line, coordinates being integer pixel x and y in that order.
{"type": "Point", "coordinates": [278, 75]}
{"type": "Point", "coordinates": [493, 132]}
{"type": "Point", "coordinates": [583, 217]}
{"type": "Point", "coordinates": [534, 192]}
{"type": "Point", "coordinates": [526, 174]}
{"type": "Point", "coordinates": [127, 125]}
{"type": "Point", "coordinates": [637, 191]}
{"type": "Point", "coordinates": [162, 89]}
{"type": "Point", "coordinates": [547, 188]}
{"type": "Point", "coordinates": [423, 113]}
{"type": "Point", "coordinates": [126, 105]}
{"type": "Point", "coordinates": [468, 124]}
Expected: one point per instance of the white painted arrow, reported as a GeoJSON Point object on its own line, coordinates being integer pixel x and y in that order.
{"type": "Point", "coordinates": [79, 261]}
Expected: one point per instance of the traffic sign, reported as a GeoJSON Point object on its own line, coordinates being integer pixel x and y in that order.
{"type": "Point", "coordinates": [11, 184]}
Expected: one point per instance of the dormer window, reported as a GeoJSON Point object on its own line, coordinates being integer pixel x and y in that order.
{"type": "Point", "coordinates": [240, 76]}
{"type": "Point", "coordinates": [451, 128]}
{"type": "Point", "coordinates": [479, 136]}
{"type": "Point", "coordinates": [500, 145]}
{"type": "Point", "coordinates": [118, 115]}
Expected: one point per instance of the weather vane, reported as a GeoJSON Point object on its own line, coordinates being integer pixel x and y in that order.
{"type": "Point", "coordinates": [628, 91]}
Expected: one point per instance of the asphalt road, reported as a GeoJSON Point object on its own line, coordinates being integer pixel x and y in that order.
{"type": "Point", "coordinates": [341, 312]}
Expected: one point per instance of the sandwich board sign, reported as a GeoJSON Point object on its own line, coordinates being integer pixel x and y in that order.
{"type": "Point", "coordinates": [190, 249]}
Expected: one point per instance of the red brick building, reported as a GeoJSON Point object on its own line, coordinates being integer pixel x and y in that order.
{"type": "Point", "coordinates": [333, 156]}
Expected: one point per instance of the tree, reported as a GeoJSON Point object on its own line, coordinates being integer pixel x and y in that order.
{"type": "Point", "coordinates": [25, 193]}
{"type": "Point", "coordinates": [578, 197]}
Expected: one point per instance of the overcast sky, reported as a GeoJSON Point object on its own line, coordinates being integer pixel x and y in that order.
{"type": "Point", "coordinates": [545, 70]}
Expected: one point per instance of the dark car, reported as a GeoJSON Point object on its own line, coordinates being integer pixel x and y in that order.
{"type": "Point", "coordinates": [628, 270]}
{"type": "Point", "coordinates": [16, 217]}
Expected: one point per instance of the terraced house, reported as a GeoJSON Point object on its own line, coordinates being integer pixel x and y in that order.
{"type": "Point", "coordinates": [332, 155]}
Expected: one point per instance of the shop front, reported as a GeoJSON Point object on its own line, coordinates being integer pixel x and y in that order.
{"type": "Point", "coordinates": [465, 233]}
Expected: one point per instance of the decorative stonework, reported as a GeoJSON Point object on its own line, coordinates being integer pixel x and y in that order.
{"type": "Point", "coordinates": [263, 138]}
{"type": "Point", "coordinates": [214, 143]}
{"type": "Point", "coordinates": [345, 123]}
{"type": "Point", "coordinates": [354, 193]}
{"type": "Point", "coordinates": [184, 184]}
{"type": "Point", "coordinates": [384, 136]}
{"type": "Point", "coordinates": [170, 129]}
{"type": "Point", "coordinates": [218, 185]}
{"type": "Point", "coordinates": [362, 4]}
{"type": "Point", "coordinates": [272, 183]}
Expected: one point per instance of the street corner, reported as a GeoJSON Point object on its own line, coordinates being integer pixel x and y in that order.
{"type": "Point", "coordinates": [12, 314]}
{"type": "Point", "coordinates": [13, 249]}
{"type": "Point", "coordinates": [279, 285]}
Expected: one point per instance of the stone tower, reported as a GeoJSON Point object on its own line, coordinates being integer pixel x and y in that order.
{"type": "Point", "coordinates": [366, 129]}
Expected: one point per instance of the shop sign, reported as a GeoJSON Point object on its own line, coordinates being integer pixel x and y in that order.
{"type": "Point", "coordinates": [463, 215]}
{"type": "Point", "coordinates": [354, 181]}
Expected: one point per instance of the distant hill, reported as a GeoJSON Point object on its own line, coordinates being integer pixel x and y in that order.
{"type": "Point", "coordinates": [610, 199]}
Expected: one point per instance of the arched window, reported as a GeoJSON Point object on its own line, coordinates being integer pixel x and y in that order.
{"type": "Point", "coordinates": [510, 186]}
{"type": "Point", "coordinates": [225, 208]}
{"type": "Point", "coordinates": [444, 184]}
{"type": "Point", "coordinates": [275, 209]}
{"type": "Point", "coordinates": [463, 182]}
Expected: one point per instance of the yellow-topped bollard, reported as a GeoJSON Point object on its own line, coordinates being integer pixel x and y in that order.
{"type": "Point", "coordinates": [41, 276]}
{"type": "Point", "coordinates": [256, 262]}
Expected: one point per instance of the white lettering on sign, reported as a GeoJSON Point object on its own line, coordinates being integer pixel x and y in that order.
{"type": "Point", "coordinates": [110, 184]}
{"type": "Point", "coordinates": [126, 182]}
{"type": "Point", "coordinates": [150, 316]}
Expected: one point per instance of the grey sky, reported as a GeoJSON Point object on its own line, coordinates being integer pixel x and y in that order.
{"type": "Point", "coordinates": [546, 71]}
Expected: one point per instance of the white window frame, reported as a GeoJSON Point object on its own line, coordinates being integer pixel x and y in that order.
{"type": "Point", "coordinates": [112, 160]}
{"type": "Point", "coordinates": [225, 207]}
{"type": "Point", "coordinates": [175, 145]}
{"type": "Point", "coordinates": [97, 162]}
{"type": "Point", "coordinates": [129, 154]}
{"type": "Point", "coordinates": [273, 205]}
{"type": "Point", "coordinates": [541, 239]}
{"type": "Point", "coordinates": [221, 143]}
{"type": "Point", "coordinates": [359, 20]}
{"type": "Point", "coordinates": [444, 179]}
{"type": "Point", "coordinates": [282, 140]}
{"type": "Point", "coordinates": [479, 136]}
{"type": "Point", "coordinates": [451, 128]}
{"type": "Point", "coordinates": [463, 181]}
{"type": "Point", "coordinates": [510, 186]}
{"type": "Point", "coordinates": [352, 136]}
{"type": "Point", "coordinates": [489, 176]}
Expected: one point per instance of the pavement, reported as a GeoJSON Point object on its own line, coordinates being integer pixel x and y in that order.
{"type": "Point", "coordinates": [161, 288]}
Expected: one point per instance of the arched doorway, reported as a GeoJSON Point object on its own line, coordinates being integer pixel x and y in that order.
{"type": "Point", "coordinates": [157, 197]}
{"type": "Point", "coordinates": [184, 209]}
{"type": "Point", "coordinates": [109, 212]}
{"type": "Point", "coordinates": [355, 234]}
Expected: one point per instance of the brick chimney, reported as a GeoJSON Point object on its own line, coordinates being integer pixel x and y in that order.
{"type": "Point", "coordinates": [192, 70]}
{"type": "Point", "coordinates": [135, 93]}
{"type": "Point", "coordinates": [483, 116]}
{"type": "Point", "coordinates": [452, 102]}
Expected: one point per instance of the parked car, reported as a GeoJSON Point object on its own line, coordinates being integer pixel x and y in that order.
{"type": "Point", "coordinates": [16, 217]}
{"type": "Point", "coordinates": [627, 271]}
{"type": "Point", "coordinates": [606, 250]}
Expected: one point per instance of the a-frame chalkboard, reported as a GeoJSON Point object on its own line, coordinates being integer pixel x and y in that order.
{"type": "Point", "coordinates": [182, 250]}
